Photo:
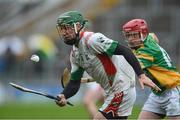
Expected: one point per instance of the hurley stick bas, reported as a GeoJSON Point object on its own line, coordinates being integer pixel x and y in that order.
{"type": "Point", "coordinates": [35, 92]}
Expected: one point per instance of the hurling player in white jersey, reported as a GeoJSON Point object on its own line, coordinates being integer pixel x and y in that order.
{"type": "Point", "coordinates": [95, 93]}
{"type": "Point", "coordinates": [99, 57]}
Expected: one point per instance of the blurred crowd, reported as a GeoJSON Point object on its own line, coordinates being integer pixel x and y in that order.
{"type": "Point", "coordinates": [15, 56]}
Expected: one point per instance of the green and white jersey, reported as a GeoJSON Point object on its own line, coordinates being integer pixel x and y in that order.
{"type": "Point", "coordinates": [156, 62]}
{"type": "Point", "coordinates": [95, 56]}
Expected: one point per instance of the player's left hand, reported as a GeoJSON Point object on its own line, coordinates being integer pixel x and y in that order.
{"type": "Point", "coordinates": [144, 80]}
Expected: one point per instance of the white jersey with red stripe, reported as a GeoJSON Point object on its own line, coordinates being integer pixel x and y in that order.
{"type": "Point", "coordinates": [94, 55]}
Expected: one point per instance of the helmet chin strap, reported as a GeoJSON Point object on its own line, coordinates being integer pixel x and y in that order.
{"type": "Point", "coordinates": [75, 28]}
{"type": "Point", "coordinates": [142, 36]}
{"type": "Point", "coordinates": [77, 32]}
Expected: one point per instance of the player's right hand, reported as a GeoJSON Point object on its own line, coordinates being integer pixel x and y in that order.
{"type": "Point", "coordinates": [144, 80]}
{"type": "Point", "coordinates": [61, 100]}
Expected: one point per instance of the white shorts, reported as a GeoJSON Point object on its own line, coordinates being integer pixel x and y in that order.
{"type": "Point", "coordinates": [166, 104]}
{"type": "Point", "coordinates": [93, 85]}
{"type": "Point", "coordinates": [120, 103]}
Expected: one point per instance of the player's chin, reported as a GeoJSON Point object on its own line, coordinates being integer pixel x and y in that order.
{"type": "Point", "coordinates": [69, 41]}
{"type": "Point", "coordinates": [135, 45]}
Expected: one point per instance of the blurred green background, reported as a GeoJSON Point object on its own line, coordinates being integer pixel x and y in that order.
{"type": "Point", "coordinates": [48, 111]}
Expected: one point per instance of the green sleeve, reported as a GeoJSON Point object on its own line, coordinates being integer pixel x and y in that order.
{"type": "Point", "coordinates": [77, 75]}
{"type": "Point", "coordinates": [112, 48]}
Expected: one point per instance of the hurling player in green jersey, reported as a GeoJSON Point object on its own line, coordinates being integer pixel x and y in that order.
{"type": "Point", "coordinates": [158, 66]}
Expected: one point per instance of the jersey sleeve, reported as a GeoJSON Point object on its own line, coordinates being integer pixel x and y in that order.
{"type": "Point", "coordinates": [100, 44]}
{"type": "Point", "coordinates": [76, 70]}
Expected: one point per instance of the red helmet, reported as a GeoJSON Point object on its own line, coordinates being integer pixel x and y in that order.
{"type": "Point", "coordinates": [136, 25]}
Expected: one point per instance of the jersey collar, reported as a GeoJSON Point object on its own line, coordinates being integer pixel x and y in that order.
{"type": "Point", "coordinates": [81, 34]}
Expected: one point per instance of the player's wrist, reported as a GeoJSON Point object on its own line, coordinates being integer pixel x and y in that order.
{"type": "Point", "coordinates": [142, 76]}
{"type": "Point", "coordinates": [61, 96]}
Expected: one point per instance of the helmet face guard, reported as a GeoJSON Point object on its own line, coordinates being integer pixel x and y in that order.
{"type": "Point", "coordinates": [134, 39]}
{"type": "Point", "coordinates": [67, 23]}
{"type": "Point", "coordinates": [67, 34]}
{"type": "Point", "coordinates": [135, 31]}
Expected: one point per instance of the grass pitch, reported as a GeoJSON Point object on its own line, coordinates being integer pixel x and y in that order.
{"type": "Point", "coordinates": [47, 111]}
